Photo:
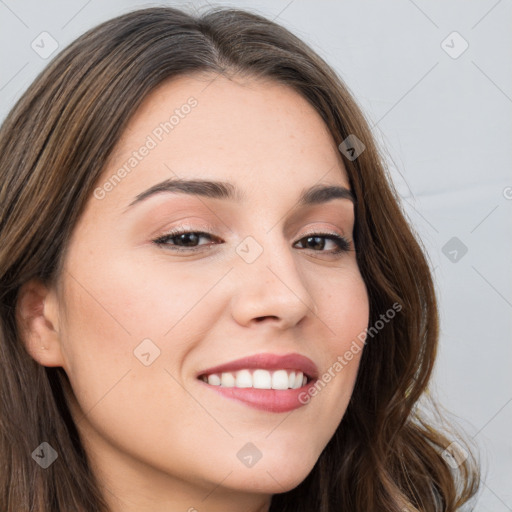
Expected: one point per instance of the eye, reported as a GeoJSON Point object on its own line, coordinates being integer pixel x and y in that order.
{"type": "Point", "coordinates": [318, 241]}
{"type": "Point", "coordinates": [182, 240]}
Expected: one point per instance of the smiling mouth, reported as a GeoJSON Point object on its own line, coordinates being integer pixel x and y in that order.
{"type": "Point", "coordinates": [274, 383]}
{"type": "Point", "coordinates": [281, 379]}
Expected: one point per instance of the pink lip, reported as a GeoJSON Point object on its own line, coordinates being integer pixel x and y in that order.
{"type": "Point", "coordinates": [270, 400]}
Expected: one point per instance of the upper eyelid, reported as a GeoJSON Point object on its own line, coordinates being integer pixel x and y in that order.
{"type": "Point", "coordinates": [204, 231]}
{"type": "Point", "coordinates": [211, 229]}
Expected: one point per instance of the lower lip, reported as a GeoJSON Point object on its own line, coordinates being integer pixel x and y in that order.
{"type": "Point", "coordinates": [270, 400]}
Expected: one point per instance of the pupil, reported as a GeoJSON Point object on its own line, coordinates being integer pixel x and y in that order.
{"type": "Point", "coordinates": [318, 241]}
{"type": "Point", "coordinates": [188, 238]}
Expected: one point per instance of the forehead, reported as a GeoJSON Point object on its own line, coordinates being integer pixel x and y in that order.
{"type": "Point", "coordinates": [258, 134]}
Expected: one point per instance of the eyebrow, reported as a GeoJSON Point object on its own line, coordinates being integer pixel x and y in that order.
{"type": "Point", "coordinates": [316, 194]}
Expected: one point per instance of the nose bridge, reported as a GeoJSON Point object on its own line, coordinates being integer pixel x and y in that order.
{"type": "Point", "coordinates": [269, 281]}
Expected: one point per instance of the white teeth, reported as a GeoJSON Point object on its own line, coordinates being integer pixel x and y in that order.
{"type": "Point", "coordinates": [261, 379]}
{"type": "Point", "coordinates": [280, 380]}
{"type": "Point", "coordinates": [214, 379]}
{"type": "Point", "coordinates": [227, 380]}
{"type": "Point", "coordinates": [258, 379]}
{"type": "Point", "coordinates": [243, 379]}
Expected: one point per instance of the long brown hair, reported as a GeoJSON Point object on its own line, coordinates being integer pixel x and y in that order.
{"type": "Point", "coordinates": [385, 456]}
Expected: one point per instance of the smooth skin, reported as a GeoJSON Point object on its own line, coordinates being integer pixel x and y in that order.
{"type": "Point", "coordinates": [158, 438]}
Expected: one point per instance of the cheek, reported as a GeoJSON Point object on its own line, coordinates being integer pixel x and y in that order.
{"type": "Point", "coordinates": [344, 314]}
{"type": "Point", "coordinates": [344, 307]}
{"type": "Point", "coordinates": [115, 305]}
{"type": "Point", "coordinates": [107, 318]}
{"type": "Point", "coordinates": [129, 299]}
{"type": "Point", "coordinates": [96, 339]}
{"type": "Point", "coordinates": [155, 297]}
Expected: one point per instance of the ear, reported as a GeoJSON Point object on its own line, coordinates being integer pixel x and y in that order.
{"type": "Point", "coordinates": [37, 317]}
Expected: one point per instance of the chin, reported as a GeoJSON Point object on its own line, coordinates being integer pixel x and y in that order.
{"type": "Point", "coordinates": [271, 478]}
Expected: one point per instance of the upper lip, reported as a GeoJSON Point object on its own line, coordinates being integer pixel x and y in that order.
{"type": "Point", "coordinates": [268, 361]}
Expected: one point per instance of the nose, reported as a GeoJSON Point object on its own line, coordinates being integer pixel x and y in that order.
{"type": "Point", "coordinates": [271, 289]}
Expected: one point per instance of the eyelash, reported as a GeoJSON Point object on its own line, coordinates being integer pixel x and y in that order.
{"type": "Point", "coordinates": [162, 241]}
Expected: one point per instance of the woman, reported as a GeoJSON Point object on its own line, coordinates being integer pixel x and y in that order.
{"type": "Point", "coordinates": [276, 367]}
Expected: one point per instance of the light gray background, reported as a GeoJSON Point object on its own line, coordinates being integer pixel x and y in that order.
{"type": "Point", "coordinates": [445, 125]}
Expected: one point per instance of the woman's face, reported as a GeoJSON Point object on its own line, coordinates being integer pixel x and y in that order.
{"type": "Point", "coordinates": [144, 318]}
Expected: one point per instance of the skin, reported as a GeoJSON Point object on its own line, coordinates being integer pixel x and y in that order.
{"type": "Point", "coordinates": [159, 439]}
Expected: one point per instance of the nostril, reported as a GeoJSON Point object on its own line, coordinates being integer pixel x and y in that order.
{"type": "Point", "coordinates": [261, 318]}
